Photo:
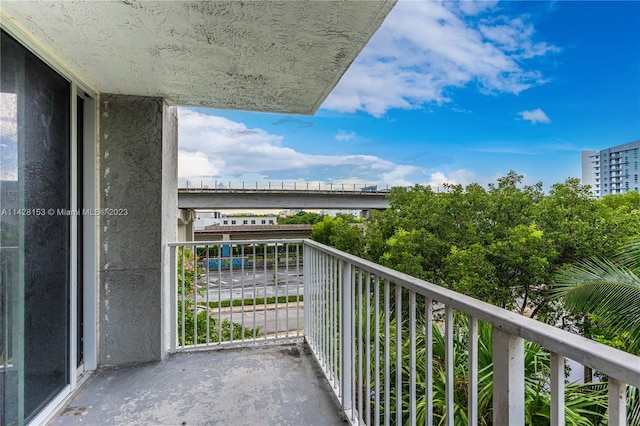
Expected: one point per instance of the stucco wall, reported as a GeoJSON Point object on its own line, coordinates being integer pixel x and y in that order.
{"type": "Point", "coordinates": [138, 149]}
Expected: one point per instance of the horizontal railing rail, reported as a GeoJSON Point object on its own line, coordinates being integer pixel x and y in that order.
{"type": "Point", "coordinates": [363, 324]}
{"type": "Point", "coordinates": [235, 292]}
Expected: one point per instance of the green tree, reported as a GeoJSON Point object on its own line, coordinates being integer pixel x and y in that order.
{"type": "Point", "coordinates": [608, 293]}
{"type": "Point", "coordinates": [301, 218]}
{"type": "Point", "coordinates": [340, 233]}
{"type": "Point", "coordinates": [322, 231]}
{"type": "Point", "coordinates": [501, 244]}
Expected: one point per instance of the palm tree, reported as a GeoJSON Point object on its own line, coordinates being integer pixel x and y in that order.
{"type": "Point", "coordinates": [607, 292]}
{"type": "Point", "coordinates": [585, 404]}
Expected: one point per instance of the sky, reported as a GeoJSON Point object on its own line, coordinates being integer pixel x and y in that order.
{"type": "Point", "coordinates": [445, 92]}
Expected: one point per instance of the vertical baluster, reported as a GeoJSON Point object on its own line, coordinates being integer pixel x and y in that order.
{"type": "Point", "coordinates": [183, 299]}
{"type": "Point", "coordinates": [275, 285]}
{"type": "Point", "coordinates": [323, 311]}
{"type": "Point", "coordinates": [219, 293]}
{"type": "Point", "coordinates": [387, 357]}
{"type": "Point", "coordinates": [286, 286]}
{"type": "Point", "coordinates": [472, 402]}
{"type": "Point", "coordinates": [557, 389]}
{"type": "Point", "coordinates": [265, 257]}
{"type": "Point", "coordinates": [173, 261]}
{"type": "Point", "coordinates": [309, 291]}
{"type": "Point", "coordinates": [346, 320]}
{"type": "Point", "coordinates": [334, 327]}
{"type": "Point", "coordinates": [412, 355]}
{"type": "Point", "coordinates": [241, 291]}
{"type": "Point", "coordinates": [376, 319]}
{"type": "Point", "coordinates": [298, 290]}
{"type": "Point", "coordinates": [449, 360]}
{"type": "Point", "coordinates": [340, 343]}
{"type": "Point", "coordinates": [428, 312]}
{"type": "Point", "coordinates": [326, 317]}
{"type": "Point", "coordinates": [230, 293]}
{"type": "Point", "coordinates": [207, 294]}
{"type": "Point", "coordinates": [398, 354]}
{"type": "Point", "coordinates": [359, 349]}
{"type": "Point", "coordinates": [314, 300]}
{"type": "Point", "coordinates": [352, 362]}
{"type": "Point", "coordinates": [255, 287]}
{"type": "Point", "coordinates": [327, 314]}
{"type": "Point", "coordinates": [367, 340]}
{"type": "Point", "coordinates": [195, 296]}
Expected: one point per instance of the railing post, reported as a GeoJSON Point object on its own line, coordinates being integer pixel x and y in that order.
{"type": "Point", "coordinates": [617, 403]}
{"type": "Point", "coordinates": [173, 296]}
{"type": "Point", "coordinates": [508, 378]}
{"type": "Point", "coordinates": [346, 320]}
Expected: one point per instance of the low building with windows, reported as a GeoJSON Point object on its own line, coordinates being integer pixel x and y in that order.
{"type": "Point", "coordinates": [244, 221]}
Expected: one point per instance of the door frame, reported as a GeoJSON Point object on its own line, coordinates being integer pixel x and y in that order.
{"type": "Point", "coordinates": [90, 237]}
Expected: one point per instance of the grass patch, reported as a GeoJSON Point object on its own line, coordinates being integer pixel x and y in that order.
{"type": "Point", "coordinates": [257, 301]}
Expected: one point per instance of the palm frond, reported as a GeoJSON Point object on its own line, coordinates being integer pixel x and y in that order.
{"type": "Point", "coordinates": [629, 256]}
{"type": "Point", "coordinates": [609, 291]}
{"type": "Point", "coordinates": [594, 270]}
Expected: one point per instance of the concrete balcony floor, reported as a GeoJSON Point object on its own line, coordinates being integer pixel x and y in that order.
{"type": "Point", "coordinates": [260, 385]}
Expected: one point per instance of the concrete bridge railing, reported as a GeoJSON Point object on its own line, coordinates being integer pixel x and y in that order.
{"type": "Point", "coordinates": [286, 186]}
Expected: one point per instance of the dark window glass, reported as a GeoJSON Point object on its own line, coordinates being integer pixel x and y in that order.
{"type": "Point", "coordinates": [34, 191]}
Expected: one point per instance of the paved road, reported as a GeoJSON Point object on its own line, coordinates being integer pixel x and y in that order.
{"type": "Point", "coordinates": [287, 318]}
{"type": "Point", "coordinates": [236, 285]}
{"type": "Point", "coordinates": [226, 285]}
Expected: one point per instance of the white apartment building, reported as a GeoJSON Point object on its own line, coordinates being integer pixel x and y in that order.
{"type": "Point", "coordinates": [612, 170]}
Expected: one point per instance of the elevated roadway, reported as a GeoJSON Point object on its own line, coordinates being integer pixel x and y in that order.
{"type": "Point", "coordinates": [218, 199]}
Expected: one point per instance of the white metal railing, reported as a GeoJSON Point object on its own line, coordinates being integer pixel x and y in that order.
{"type": "Point", "coordinates": [228, 292]}
{"type": "Point", "coordinates": [369, 327]}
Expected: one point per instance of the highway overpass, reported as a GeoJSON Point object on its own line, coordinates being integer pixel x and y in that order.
{"type": "Point", "coordinates": [220, 199]}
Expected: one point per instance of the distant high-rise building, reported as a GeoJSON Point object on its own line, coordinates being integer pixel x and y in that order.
{"type": "Point", "coordinates": [612, 170]}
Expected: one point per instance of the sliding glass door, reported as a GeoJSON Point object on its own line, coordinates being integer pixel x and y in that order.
{"type": "Point", "coordinates": [35, 240]}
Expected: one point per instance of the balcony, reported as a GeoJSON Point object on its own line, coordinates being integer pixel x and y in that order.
{"type": "Point", "coordinates": [295, 332]}
{"type": "Point", "coordinates": [265, 384]}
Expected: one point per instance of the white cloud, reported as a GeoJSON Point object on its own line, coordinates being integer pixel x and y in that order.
{"type": "Point", "coordinates": [197, 164]}
{"type": "Point", "coordinates": [345, 136]}
{"type": "Point", "coordinates": [535, 116]}
{"type": "Point", "coordinates": [463, 177]}
{"type": "Point", "coordinates": [213, 148]}
{"type": "Point", "coordinates": [426, 47]}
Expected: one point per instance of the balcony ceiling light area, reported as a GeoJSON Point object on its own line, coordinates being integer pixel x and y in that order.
{"type": "Point", "coordinates": [275, 56]}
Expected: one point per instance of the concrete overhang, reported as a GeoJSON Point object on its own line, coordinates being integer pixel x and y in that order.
{"type": "Point", "coordinates": [271, 56]}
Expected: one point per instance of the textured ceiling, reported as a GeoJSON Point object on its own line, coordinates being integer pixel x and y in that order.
{"type": "Point", "coordinates": [276, 56]}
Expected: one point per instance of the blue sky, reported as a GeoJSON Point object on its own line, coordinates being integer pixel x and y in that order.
{"type": "Point", "coordinates": [455, 92]}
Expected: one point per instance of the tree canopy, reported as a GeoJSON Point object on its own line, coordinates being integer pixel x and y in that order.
{"type": "Point", "coordinates": [501, 244]}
